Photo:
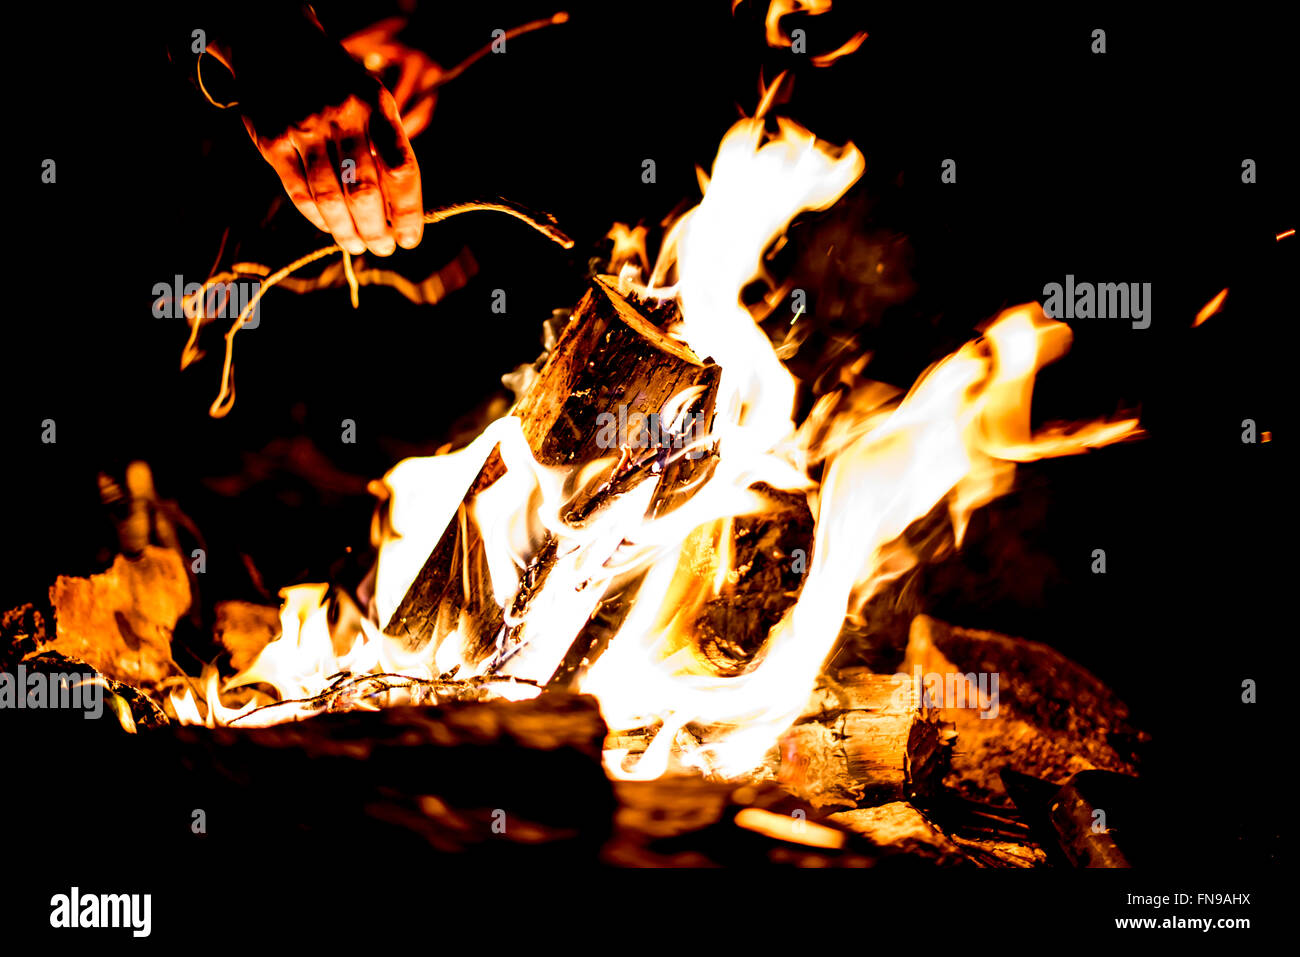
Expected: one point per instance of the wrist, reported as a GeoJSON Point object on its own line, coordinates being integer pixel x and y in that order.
{"type": "Point", "coordinates": [264, 41]}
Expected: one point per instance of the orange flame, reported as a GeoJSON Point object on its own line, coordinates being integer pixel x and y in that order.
{"type": "Point", "coordinates": [844, 49]}
{"type": "Point", "coordinates": [629, 259]}
{"type": "Point", "coordinates": [884, 460]}
{"type": "Point", "coordinates": [776, 37]}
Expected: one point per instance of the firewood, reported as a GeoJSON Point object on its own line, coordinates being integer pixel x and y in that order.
{"type": "Point", "coordinates": [899, 824]}
{"type": "Point", "coordinates": [902, 827]}
{"type": "Point", "coordinates": [608, 355]}
{"type": "Point", "coordinates": [1047, 716]}
{"type": "Point", "coordinates": [478, 776]}
{"type": "Point", "coordinates": [609, 359]}
{"type": "Point", "coordinates": [506, 780]}
{"type": "Point", "coordinates": [731, 627]}
{"type": "Point", "coordinates": [494, 783]}
{"type": "Point", "coordinates": [602, 625]}
{"type": "Point", "coordinates": [123, 704]}
{"type": "Point", "coordinates": [865, 739]}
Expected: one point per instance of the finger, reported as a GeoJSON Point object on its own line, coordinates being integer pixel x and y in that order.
{"type": "Point", "coordinates": [365, 197]}
{"type": "Point", "coordinates": [399, 173]}
{"type": "Point", "coordinates": [284, 159]}
{"type": "Point", "coordinates": [328, 194]}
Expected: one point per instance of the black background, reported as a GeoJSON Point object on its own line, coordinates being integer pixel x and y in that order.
{"type": "Point", "coordinates": [1117, 167]}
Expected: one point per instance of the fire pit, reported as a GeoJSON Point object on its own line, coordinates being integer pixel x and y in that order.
{"type": "Point", "coordinates": [697, 592]}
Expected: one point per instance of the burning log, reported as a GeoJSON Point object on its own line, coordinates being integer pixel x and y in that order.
{"type": "Point", "coordinates": [903, 828]}
{"type": "Point", "coordinates": [865, 739]}
{"type": "Point", "coordinates": [465, 776]}
{"type": "Point", "coordinates": [505, 780]}
{"type": "Point", "coordinates": [1046, 716]}
{"type": "Point", "coordinates": [608, 357]}
{"type": "Point", "coordinates": [898, 824]}
{"type": "Point", "coordinates": [457, 776]}
{"type": "Point", "coordinates": [610, 361]}
{"type": "Point", "coordinates": [494, 782]}
{"type": "Point", "coordinates": [730, 627]}
{"type": "Point", "coordinates": [733, 625]}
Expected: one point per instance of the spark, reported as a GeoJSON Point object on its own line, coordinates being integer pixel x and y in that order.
{"type": "Point", "coordinates": [1210, 308]}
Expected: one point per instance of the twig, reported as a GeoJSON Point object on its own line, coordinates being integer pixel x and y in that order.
{"type": "Point", "coordinates": [225, 399]}
{"type": "Point", "coordinates": [441, 687]}
{"type": "Point", "coordinates": [510, 34]}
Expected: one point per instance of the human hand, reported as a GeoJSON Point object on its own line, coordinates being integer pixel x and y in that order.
{"type": "Point", "coordinates": [334, 135]}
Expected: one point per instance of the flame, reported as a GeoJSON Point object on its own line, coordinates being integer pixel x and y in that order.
{"type": "Point", "coordinates": [869, 460]}
{"type": "Point", "coordinates": [629, 260]}
{"type": "Point", "coordinates": [954, 438]}
{"type": "Point", "coordinates": [776, 37]}
{"type": "Point", "coordinates": [717, 249]}
{"type": "Point", "coordinates": [844, 49]}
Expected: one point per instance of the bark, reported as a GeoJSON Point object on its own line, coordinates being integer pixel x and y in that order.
{"type": "Point", "coordinates": [609, 357]}
{"type": "Point", "coordinates": [864, 740]}
{"type": "Point", "coordinates": [1046, 716]}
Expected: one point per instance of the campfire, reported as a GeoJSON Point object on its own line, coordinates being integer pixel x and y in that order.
{"type": "Point", "coordinates": [635, 583]}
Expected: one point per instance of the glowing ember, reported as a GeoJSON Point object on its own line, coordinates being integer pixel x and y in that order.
{"type": "Point", "coordinates": [1210, 308]}
{"type": "Point", "coordinates": [789, 829]}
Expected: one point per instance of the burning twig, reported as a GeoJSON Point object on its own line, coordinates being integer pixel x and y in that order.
{"type": "Point", "coordinates": [510, 34]}
{"type": "Point", "coordinates": [430, 691]}
{"type": "Point", "coordinates": [225, 399]}
{"type": "Point", "coordinates": [545, 225]}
